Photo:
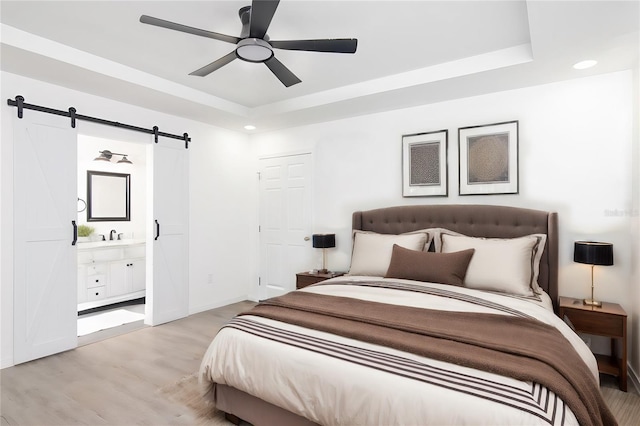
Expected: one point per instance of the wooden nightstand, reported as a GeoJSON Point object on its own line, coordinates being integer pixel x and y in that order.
{"type": "Point", "coordinates": [304, 279]}
{"type": "Point", "coordinates": [610, 320]}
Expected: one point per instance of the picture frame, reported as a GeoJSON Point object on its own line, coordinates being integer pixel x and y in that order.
{"type": "Point", "coordinates": [488, 159]}
{"type": "Point", "coordinates": [424, 164]}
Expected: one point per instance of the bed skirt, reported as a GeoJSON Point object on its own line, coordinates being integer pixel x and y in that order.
{"type": "Point", "coordinates": [254, 410]}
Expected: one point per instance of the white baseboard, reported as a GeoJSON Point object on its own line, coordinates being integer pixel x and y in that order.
{"type": "Point", "coordinates": [218, 304]}
{"type": "Point", "coordinates": [6, 362]}
{"type": "Point", "coordinates": [633, 378]}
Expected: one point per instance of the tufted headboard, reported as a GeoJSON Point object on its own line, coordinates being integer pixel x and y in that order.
{"type": "Point", "coordinates": [476, 221]}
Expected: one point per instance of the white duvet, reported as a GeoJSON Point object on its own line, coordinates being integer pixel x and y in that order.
{"type": "Point", "coordinates": [333, 380]}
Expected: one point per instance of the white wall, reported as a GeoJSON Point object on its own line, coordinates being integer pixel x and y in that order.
{"type": "Point", "coordinates": [575, 158]}
{"type": "Point", "coordinates": [220, 176]}
{"type": "Point", "coordinates": [634, 330]}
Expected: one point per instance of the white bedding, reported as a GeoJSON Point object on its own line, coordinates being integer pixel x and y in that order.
{"type": "Point", "coordinates": [357, 383]}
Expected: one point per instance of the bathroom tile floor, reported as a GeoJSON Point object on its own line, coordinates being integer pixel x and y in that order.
{"type": "Point", "coordinates": [108, 323]}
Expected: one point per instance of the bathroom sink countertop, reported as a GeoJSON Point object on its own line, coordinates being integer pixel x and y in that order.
{"type": "Point", "coordinates": [110, 243]}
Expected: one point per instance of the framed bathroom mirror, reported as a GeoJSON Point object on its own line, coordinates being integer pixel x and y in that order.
{"type": "Point", "coordinates": [108, 196]}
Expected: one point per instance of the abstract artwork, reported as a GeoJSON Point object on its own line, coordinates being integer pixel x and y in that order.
{"type": "Point", "coordinates": [424, 164]}
{"type": "Point", "coordinates": [488, 159]}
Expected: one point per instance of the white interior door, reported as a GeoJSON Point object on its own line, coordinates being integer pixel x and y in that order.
{"type": "Point", "coordinates": [285, 222]}
{"type": "Point", "coordinates": [167, 266]}
{"type": "Point", "coordinates": [45, 262]}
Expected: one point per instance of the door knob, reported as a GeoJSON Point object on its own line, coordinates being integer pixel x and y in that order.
{"type": "Point", "coordinates": [307, 238]}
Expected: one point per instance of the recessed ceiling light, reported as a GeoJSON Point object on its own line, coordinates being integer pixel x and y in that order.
{"type": "Point", "coordinates": [250, 127]}
{"type": "Point", "coordinates": [583, 65]}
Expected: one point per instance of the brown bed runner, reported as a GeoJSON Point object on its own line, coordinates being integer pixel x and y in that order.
{"type": "Point", "coordinates": [521, 348]}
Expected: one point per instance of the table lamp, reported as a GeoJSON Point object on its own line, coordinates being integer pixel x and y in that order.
{"type": "Point", "coordinates": [593, 253]}
{"type": "Point", "coordinates": [324, 241]}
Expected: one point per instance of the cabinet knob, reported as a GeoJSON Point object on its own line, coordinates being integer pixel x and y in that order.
{"type": "Point", "coordinates": [97, 281]}
{"type": "Point", "coordinates": [307, 238]}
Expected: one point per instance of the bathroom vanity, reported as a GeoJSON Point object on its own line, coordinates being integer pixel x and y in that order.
{"type": "Point", "coordinates": [110, 272]}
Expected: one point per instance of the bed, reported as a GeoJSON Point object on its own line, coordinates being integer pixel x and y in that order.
{"type": "Point", "coordinates": [425, 329]}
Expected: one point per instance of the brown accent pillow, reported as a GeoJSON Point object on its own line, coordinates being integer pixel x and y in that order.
{"type": "Point", "coordinates": [443, 268]}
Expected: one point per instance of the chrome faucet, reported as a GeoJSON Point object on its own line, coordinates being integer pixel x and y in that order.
{"type": "Point", "coordinates": [113, 231]}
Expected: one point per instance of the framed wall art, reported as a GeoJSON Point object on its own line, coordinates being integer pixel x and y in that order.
{"type": "Point", "coordinates": [488, 159]}
{"type": "Point", "coordinates": [424, 164]}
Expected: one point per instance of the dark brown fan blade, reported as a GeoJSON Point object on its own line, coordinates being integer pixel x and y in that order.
{"type": "Point", "coordinates": [283, 73]}
{"type": "Point", "coordinates": [208, 69]}
{"type": "Point", "coordinates": [336, 45]}
{"type": "Point", "coordinates": [186, 29]}
{"type": "Point", "coordinates": [261, 15]}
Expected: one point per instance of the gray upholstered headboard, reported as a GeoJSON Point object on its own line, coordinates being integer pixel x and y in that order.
{"type": "Point", "coordinates": [475, 221]}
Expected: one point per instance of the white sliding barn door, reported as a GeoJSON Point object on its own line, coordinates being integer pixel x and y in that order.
{"type": "Point", "coordinates": [45, 200]}
{"type": "Point", "coordinates": [168, 263]}
{"type": "Point", "coordinates": [285, 222]}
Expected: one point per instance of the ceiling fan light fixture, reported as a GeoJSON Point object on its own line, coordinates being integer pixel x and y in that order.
{"type": "Point", "coordinates": [254, 50]}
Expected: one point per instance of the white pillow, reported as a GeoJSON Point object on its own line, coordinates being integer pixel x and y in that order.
{"type": "Point", "coordinates": [498, 264]}
{"type": "Point", "coordinates": [372, 252]}
{"type": "Point", "coordinates": [437, 233]}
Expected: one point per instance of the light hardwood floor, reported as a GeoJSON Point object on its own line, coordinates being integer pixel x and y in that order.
{"type": "Point", "coordinates": [120, 380]}
{"type": "Point", "coordinates": [114, 381]}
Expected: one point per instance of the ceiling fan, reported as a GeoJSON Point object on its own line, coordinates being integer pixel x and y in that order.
{"type": "Point", "coordinates": [254, 44]}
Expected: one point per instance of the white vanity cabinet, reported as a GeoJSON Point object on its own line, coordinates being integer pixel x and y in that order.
{"type": "Point", "coordinates": [126, 276]}
{"type": "Point", "coordinates": [110, 272]}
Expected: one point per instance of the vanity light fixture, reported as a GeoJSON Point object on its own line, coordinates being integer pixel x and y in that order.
{"type": "Point", "coordinates": [106, 156]}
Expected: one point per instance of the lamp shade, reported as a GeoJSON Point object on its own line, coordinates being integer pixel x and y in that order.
{"type": "Point", "coordinates": [324, 240]}
{"type": "Point", "coordinates": [593, 253]}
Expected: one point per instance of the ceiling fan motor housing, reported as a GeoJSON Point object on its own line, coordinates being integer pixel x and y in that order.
{"type": "Point", "coordinates": [253, 50]}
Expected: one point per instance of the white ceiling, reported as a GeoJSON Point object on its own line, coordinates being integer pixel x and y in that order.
{"type": "Point", "coordinates": [409, 53]}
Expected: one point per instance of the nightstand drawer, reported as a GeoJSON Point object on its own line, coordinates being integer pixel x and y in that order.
{"type": "Point", "coordinates": [596, 323]}
{"type": "Point", "coordinates": [304, 279]}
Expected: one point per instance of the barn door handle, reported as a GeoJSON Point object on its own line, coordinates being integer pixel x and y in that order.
{"type": "Point", "coordinates": [75, 233]}
{"type": "Point", "coordinates": [157, 230]}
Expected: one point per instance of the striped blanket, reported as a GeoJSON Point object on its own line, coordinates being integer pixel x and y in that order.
{"type": "Point", "coordinates": [330, 378]}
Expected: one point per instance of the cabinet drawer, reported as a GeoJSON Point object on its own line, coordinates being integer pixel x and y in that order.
{"type": "Point", "coordinates": [597, 323]}
{"type": "Point", "coordinates": [96, 293]}
{"type": "Point", "coordinates": [96, 281]}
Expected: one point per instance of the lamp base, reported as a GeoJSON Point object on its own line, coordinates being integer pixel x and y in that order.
{"type": "Point", "coordinates": [591, 302]}
{"type": "Point", "coordinates": [323, 271]}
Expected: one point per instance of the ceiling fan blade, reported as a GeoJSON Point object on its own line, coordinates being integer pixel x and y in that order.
{"type": "Point", "coordinates": [283, 73]}
{"type": "Point", "coordinates": [186, 29]}
{"type": "Point", "coordinates": [261, 14]}
{"type": "Point", "coordinates": [219, 63]}
{"type": "Point", "coordinates": [336, 45]}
